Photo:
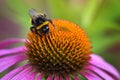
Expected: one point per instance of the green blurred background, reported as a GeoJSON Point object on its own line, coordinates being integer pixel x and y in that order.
{"type": "Point", "coordinates": [99, 18]}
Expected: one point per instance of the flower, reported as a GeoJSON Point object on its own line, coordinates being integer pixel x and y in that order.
{"type": "Point", "coordinates": [61, 54]}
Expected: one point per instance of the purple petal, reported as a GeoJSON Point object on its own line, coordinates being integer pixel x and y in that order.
{"type": "Point", "coordinates": [75, 77]}
{"type": "Point", "coordinates": [67, 77]}
{"type": "Point", "coordinates": [101, 73]}
{"type": "Point", "coordinates": [49, 77]}
{"type": "Point", "coordinates": [30, 76]}
{"type": "Point", "coordinates": [61, 78]}
{"type": "Point", "coordinates": [9, 61]}
{"type": "Point", "coordinates": [23, 73]}
{"type": "Point", "coordinates": [102, 64]}
{"type": "Point", "coordinates": [12, 51]}
{"type": "Point", "coordinates": [90, 75]}
{"type": "Point", "coordinates": [40, 76]}
{"type": "Point", "coordinates": [9, 75]}
{"type": "Point", "coordinates": [7, 42]}
{"type": "Point", "coordinates": [56, 77]}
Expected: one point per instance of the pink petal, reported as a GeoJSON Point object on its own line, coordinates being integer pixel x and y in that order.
{"type": "Point", "coordinates": [30, 76]}
{"type": "Point", "coordinates": [40, 76]}
{"type": "Point", "coordinates": [102, 64]}
{"type": "Point", "coordinates": [67, 77]}
{"type": "Point", "coordinates": [9, 61]}
{"type": "Point", "coordinates": [90, 75]}
{"type": "Point", "coordinates": [61, 78]}
{"type": "Point", "coordinates": [49, 77]}
{"type": "Point", "coordinates": [12, 51]}
{"type": "Point", "coordinates": [8, 42]}
{"type": "Point", "coordinates": [56, 77]}
{"type": "Point", "coordinates": [104, 75]}
{"type": "Point", "coordinates": [23, 73]}
{"type": "Point", "coordinates": [75, 77]}
{"type": "Point", "coordinates": [9, 75]}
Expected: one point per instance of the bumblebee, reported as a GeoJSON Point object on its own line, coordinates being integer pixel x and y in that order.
{"type": "Point", "coordinates": [39, 22]}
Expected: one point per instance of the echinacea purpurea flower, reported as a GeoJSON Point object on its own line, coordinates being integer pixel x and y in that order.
{"type": "Point", "coordinates": [61, 54]}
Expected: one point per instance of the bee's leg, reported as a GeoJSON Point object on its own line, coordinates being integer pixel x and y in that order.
{"type": "Point", "coordinates": [50, 22]}
{"type": "Point", "coordinates": [33, 29]}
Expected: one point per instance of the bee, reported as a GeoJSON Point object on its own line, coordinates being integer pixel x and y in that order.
{"type": "Point", "coordinates": [39, 22]}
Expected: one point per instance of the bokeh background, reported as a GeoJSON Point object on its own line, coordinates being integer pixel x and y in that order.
{"type": "Point", "coordinates": [99, 18]}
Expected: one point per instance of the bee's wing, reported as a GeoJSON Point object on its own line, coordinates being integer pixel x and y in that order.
{"type": "Point", "coordinates": [33, 14]}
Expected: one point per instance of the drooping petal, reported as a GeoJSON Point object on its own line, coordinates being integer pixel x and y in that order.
{"type": "Point", "coordinates": [9, 61]}
{"type": "Point", "coordinates": [30, 76]}
{"type": "Point", "coordinates": [23, 73]}
{"type": "Point", "coordinates": [75, 77]}
{"type": "Point", "coordinates": [12, 51]}
{"type": "Point", "coordinates": [61, 78]}
{"type": "Point", "coordinates": [49, 77]}
{"type": "Point", "coordinates": [102, 64]}
{"type": "Point", "coordinates": [11, 74]}
{"type": "Point", "coordinates": [90, 75]}
{"type": "Point", "coordinates": [40, 76]}
{"type": "Point", "coordinates": [8, 42]}
{"type": "Point", "coordinates": [56, 77]}
{"type": "Point", "coordinates": [101, 73]}
{"type": "Point", "coordinates": [67, 77]}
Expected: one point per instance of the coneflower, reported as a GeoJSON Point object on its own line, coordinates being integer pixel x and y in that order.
{"type": "Point", "coordinates": [61, 52]}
